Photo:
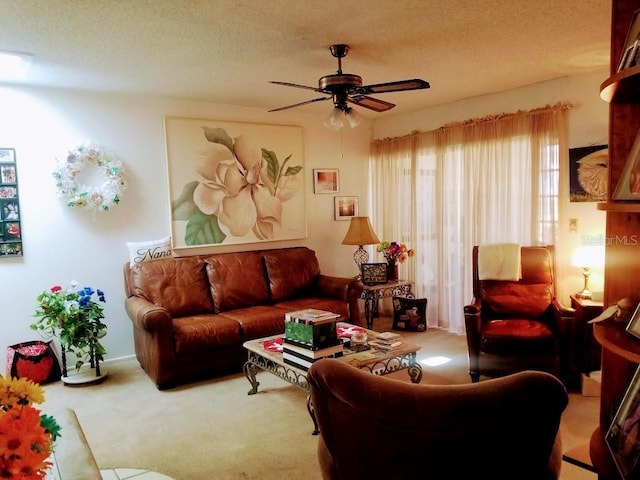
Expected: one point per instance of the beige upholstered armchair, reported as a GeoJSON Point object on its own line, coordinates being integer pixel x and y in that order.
{"type": "Point", "coordinates": [375, 427]}
{"type": "Point", "coordinates": [514, 325]}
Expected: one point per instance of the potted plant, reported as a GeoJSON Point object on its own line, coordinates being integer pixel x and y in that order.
{"type": "Point", "coordinates": [75, 318]}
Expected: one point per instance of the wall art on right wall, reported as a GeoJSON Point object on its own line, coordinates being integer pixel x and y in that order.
{"type": "Point", "coordinates": [628, 186]}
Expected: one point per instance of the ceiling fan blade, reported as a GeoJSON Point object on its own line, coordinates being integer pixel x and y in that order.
{"type": "Point", "coordinates": [371, 103]}
{"type": "Point", "coordinates": [399, 86]}
{"type": "Point", "coordinates": [287, 84]}
{"type": "Point", "coordinates": [299, 104]}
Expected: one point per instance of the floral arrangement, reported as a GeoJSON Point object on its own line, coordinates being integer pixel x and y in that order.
{"type": "Point", "coordinates": [26, 435]}
{"type": "Point", "coordinates": [241, 191]}
{"type": "Point", "coordinates": [91, 197]}
{"type": "Point", "coordinates": [395, 252]}
{"type": "Point", "coordinates": [76, 318]}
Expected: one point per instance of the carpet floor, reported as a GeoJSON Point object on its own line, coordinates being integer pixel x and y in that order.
{"type": "Point", "coordinates": [214, 430]}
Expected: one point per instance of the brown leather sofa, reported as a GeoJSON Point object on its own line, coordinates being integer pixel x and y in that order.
{"type": "Point", "coordinates": [191, 315]}
{"type": "Point", "coordinates": [377, 427]}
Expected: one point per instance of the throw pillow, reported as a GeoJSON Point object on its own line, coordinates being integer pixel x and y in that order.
{"type": "Point", "coordinates": [140, 252]}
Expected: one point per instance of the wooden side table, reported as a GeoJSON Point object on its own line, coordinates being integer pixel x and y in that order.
{"type": "Point", "coordinates": [371, 294]}
{"type": "Point", "coordinates": [587, 350]}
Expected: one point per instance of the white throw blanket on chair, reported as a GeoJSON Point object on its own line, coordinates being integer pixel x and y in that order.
{"type": "Point", "coordinates": [499, 261]}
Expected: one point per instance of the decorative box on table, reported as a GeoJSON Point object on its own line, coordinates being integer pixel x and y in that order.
{"type": "Point", "coordinates": [311, 328]}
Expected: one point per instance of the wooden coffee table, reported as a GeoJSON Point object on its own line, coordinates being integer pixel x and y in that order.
{"type": "Point", "coordinates": [374, 361]}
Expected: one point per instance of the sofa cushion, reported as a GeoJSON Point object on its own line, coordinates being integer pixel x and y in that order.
{"type": "Point", "coordinates": [149, 251]}
{"type": "Point", "coordinates": [516, 298]}
{"type": "Point", "coordinates": [258, 321]}
{"type": "Point", "coordinates": [180, 285]}
{"type": "Point", "coordinates": [236, 280]}
{"type": "Point", "coordinates": [201, 333]}
{"type": "Point", "coordinates": [517, 336]}
{"type": "Point", "coordinates": [291, 272]}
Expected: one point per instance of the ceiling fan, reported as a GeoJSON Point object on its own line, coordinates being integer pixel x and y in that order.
{"type": "Point", "coordinates": [345, 88]}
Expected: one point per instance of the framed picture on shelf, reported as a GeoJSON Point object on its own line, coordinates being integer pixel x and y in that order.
{"type": "Point", "coordinates": [345, 207]}
{"type": "Point", "coordinates": [630, 49]}
{"type": "Point", "coordinates": [628, 186]}
{"type": "Point", "coordinates": [374, 273]}
{"type": "Point", "coordinates": [633, 327]}
{"type": "Point", "coordinates": [623, 436]}
{"type": "Point", "coordinates": [326, 180]}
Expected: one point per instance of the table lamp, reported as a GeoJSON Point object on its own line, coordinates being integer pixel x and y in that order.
{"type": "Point", "coordinates": [360, 233]}
{"type": "Point", "coordinates": [587, 257]}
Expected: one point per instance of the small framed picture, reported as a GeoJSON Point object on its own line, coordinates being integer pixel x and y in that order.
{"type": "Point", "coordinates": [7, 155]}
{"type": "Point", "coordinates": [345, 207]}
{"type": "Point", "coordinates": [326, 180]}
{"type": "Point", "coordinates": [374, 273]}
{"type": "Point", "coordinates": [8, 174]}
{"type": "Point", "coordinates": [633, 327]}
{"type": "Point", "coordinates": [10, 210]}
{"type": "Point", "coordinates": [623, 436]}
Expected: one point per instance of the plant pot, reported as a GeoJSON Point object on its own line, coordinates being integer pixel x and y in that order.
{"type": "Point", "coordinates": [86, 375]}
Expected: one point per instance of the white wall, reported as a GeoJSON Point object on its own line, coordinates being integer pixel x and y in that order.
{"type": "Point", "coordinates": [63, 244]}
{"type": "Point", "coordinates": [588, 125]}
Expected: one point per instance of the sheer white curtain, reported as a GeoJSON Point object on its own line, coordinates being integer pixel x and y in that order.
{"type": "Point", "coordinates": [483, 181]}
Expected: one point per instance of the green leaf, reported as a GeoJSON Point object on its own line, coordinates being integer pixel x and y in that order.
{"type": "Point", "coordinates": [50, 425]}
{"type": "Point", "coordinates": [203, 230]}
{"type": "Point", "coordinates": [273, 165]}
{"type": "Point", "coordinates": [293, 170]}
{"type": "Point", "coordinates": [184, 207]}
{"type": "Point", "coordinates": [218, 135]}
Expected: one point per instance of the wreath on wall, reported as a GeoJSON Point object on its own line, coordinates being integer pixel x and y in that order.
{"type": "Point", "coordinates": [101, 196]}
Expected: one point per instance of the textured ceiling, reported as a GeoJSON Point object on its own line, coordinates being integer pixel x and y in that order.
{"type": "Point", "coordinates": [226, 51]}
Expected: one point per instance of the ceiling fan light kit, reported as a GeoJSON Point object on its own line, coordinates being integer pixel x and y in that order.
{"type": "Point", "coordinates": [345, 88]}
{"type": "Point", "coordinates": [335, 120]}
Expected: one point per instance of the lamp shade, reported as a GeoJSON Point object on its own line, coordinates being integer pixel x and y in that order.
{"type": "Point", "coordinates": [588, 256]}
{"type": "Point", "coordinates": [360, 232]}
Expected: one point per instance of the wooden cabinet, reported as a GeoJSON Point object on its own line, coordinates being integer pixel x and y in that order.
{"type": "Point", "coordinates": [620, 351]}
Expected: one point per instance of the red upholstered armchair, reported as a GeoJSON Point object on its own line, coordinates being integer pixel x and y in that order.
{"type": "Point", "coordinates": [378, 428]}
{"type": "Point", "coordinates": [518, 325]}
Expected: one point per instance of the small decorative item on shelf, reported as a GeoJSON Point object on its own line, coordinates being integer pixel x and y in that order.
{"type": "Point", "coordinates": [75, 318]}
{"type": "Point", "coordinates": [394, 253]}
{"type": "Point", "coordinates": [27, 434]}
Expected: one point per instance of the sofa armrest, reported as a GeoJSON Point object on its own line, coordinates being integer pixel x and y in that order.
{"type": "Point", "coordinates": [73, 457]}
{"type": "Point", "coordinates": [342, 288]}
{"type": "Point", "coordinates": [153, 338]}
{"type": "Point", "coordinates": [147, 316]}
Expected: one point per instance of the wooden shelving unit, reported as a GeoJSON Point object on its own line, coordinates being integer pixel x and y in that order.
{"type": "Point", "coordinates": [620, 351]}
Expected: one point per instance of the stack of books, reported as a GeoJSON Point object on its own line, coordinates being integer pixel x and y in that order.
{"type": "Point", "coordinates": [309, 335]}
{"type": "Point", "coordinates": [387, 342]}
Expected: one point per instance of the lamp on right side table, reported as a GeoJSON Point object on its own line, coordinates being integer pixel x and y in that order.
{"type": "Point", "coordinates": [587, 257]}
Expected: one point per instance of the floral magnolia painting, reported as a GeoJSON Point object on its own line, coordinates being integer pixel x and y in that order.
{"type": "Point", "coordinates": [234, 183]}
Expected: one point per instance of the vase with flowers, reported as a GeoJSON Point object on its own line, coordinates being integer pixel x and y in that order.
{"type": "Point", "coordinates": [394, 253]}
{"type": "Point", "coordinates": [75, 317]}
{"type": "Point", "coordinates": [26, 434]}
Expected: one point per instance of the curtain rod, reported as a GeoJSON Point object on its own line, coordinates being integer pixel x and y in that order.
{"type": "Point", "coordinates": [489, 118]}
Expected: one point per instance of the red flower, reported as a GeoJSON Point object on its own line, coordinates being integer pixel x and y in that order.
{"type": "Point", "coordinates": [55, 289]}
